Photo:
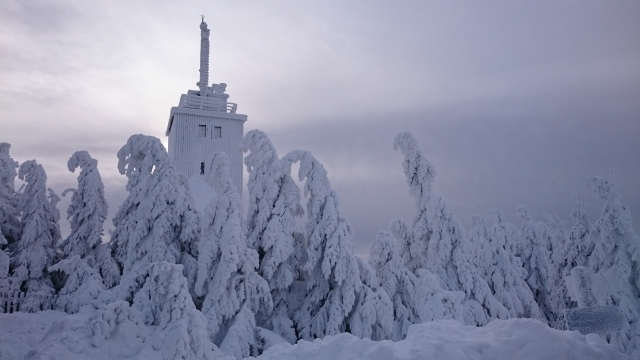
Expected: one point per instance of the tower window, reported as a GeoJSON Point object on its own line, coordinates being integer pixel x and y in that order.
{"type": "Point", "coordinates": [202, 131]}
{"type": "Point", "coordinates": [201, 168]}
{"type": "Point", "coordinates": [217, 132]}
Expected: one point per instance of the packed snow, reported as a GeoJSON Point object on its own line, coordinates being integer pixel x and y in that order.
{"type": "Point", "coordinates": [53, 335]}
{"type": "Point", "coordinates": [523, 339]}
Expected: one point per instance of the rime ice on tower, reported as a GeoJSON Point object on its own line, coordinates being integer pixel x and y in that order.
{"type": "Point", "coordinates": [205, 123]}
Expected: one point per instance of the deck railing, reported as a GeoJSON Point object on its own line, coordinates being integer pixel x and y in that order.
{"type": "Point", "coordinates": [189, 101]}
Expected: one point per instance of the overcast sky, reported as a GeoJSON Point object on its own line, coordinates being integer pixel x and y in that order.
{"type": "Point", "coordinates": [512, 102]}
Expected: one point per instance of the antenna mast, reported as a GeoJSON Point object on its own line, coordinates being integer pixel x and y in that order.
{"type": "Point", "coordinates": [204, 58]}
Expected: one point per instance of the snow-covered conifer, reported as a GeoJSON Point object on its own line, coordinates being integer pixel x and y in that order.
{"type": "Point", "coordinates": [5, 262]}
{"type": "Point", "coordinates": [263, 189]}
{"type": "Point", "coordinates": [86, 213]}
{"type": "Point", "coordinates": [372, 317]}
{"type": "Point", "coordinates": [434, 302]}
{"type": "Point", "coordinates": [480, 251]}
{"type": "Point", "coordinates": [227, 278]}
{"type": "Point", "coordinates": [106, 265]}
{"type": "Point", "coordinates": [536, 261]}
{"type": "Point", "coordinates": [9, 223]}
{"type": "Point", "coordinates": [335, 287]}
{"type": "Point", "coordinates": [559, 299]}
{"type": "Point", "coordinates": [616, 259]}
{"type": "Point", "coordinates": [156, 222]}
{"type": "Point", "coordinates": [556, 238]}
{"type": "Point", "coordinates": [82, 287]}
{"type": "Point", "coordinates": [398, 281]}
{"type": "Point", "coordinates": [9, 213]}
{"type": "Point", "coordinates": [577, 247]}
{"type": "Point", "coordinates": [159, 297]}
{"type": "Point", "coordinates": [86, 258]}
{"type": "Point", "coordinates": [438, 242]}
{"type": "Point", "coordinates": [88, 208]}
{"type": "Point", "coordinates": [579, 244]}
{"type": "Point", "coordinates": [35, 251]}
{"type": "Point", "coordinates": [402, 233]}
{"type": "Point", "coordinates": [190, 231]}
{"type": "Point", "coordinates": [503, 271]}
{"type": "Point", "coordinates": [274, 202]}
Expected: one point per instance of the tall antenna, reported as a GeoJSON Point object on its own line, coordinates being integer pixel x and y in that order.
{"type": "Point", "coordinates": [204, 57]}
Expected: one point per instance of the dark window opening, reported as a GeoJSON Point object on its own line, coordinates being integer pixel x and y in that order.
{"type": "Point", "coordinates": [201, 168]}
{"type": "Point", "coordinates": [217, 132]}
{"type": "Point", "coordinates": [202, 131]}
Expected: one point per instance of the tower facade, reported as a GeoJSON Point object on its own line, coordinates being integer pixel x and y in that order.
{"type": "Point", "coordinates": [204, 123]}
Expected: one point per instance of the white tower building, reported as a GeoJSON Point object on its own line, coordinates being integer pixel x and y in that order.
{"type": "Point", "coordinates": [205, 123]}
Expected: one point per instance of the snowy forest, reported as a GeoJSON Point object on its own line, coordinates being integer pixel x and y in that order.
{"type": "Point", "coordinates": [229, 281]}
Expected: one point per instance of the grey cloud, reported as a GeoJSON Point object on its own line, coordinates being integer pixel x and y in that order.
{"type": "Point", "coordinates": [512, 102]}
{"type": "Point", "coordinates": [532, 151]}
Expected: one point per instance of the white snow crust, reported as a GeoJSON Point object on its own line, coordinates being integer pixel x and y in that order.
{"type": "Point", "coordinates": [21, 332]}
{"type": "Point", "coordinates": [54, 335]}
{"type": "Point", "coordinates": [523, 339]}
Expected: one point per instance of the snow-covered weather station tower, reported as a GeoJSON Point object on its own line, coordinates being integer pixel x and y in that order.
{"type": "Point", "coordinates": [205, 123]}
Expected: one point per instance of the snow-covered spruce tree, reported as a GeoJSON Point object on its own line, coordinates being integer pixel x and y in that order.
{"type": "Point", "coordinates": [616, 257]}
{"type": "Point", "coordinates": [337, 298]}
{"type": "Point", "coordinates": [556, 238]}
{"type": "Point", "coordinates": [480, 251]}
{"type": "Point", "coordinates": [559, 299]}
{"type": "Point", "coordinates": [159, 297]}
{"type": "Point", "coordinates": [227, 278]}
{"type": "Point", "coordinates": [35, 251]}
{"type": "Point", "coordinates": [9, 214]}
{"type": "Point", "coordinates": [154, 228]}
{"type": "Point", "coordinates": [263, 188]}
{"type": "Point", "coordinates": [190, 234]}
{"type": "Point", "coordinates": [536, 261]}
{"type": "Point", "coordinates": [5, 262]}
{"type": "Point", "coordinates": [398, 281]}
{"type": "Point", "coordinates": [372, 317]}
{"type": "Point", "coordinates": [577, 247]}
{"type": "Point", "coordinates": [438, 242]}
{"type": "Point", "coordinates": [401, 231]}
{"type": "Point", "coordinates": [435, 303]}
{"type": "Point", "coordinates": [579, 244]}
{"type": "Point", "coordinates": [88, 208]}
{"type": "Point", "coordinates": [503, 270]}
{"type": "Point", "coordinates": [274, 203]}
{"type": "Point", "coordinates": [156, 222]}
{"type": "Point", "coordinates": [86, 213]}
{"type": "Point", "coordinates": [83, 285]}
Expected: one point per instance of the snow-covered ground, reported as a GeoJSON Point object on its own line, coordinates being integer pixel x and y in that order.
{"type": "Point", "coordinates": [54, 335]}
{"type": "Point", "coordinates": [447, 339]}
{"type": "Point", "coordinates": [21, 332]}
